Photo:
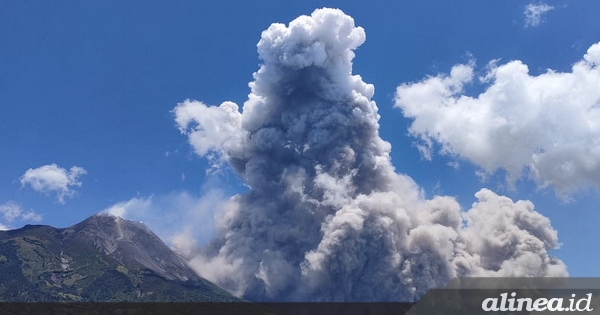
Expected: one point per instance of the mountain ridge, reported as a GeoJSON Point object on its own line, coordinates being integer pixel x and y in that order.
{"type": "Point", "coordinates": [102, 258]}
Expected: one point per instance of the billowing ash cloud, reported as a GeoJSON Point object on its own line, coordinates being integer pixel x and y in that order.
{"type": "Point", "coordinates": [546, 125]}
{"type": "Point", "coordinates": [327, 218]}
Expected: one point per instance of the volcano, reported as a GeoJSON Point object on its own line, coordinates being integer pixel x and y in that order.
{"type": "Point", "coordinates": [103, 258]}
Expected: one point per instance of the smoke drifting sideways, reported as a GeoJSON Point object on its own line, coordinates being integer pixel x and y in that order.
{"type": "Point", "coordinates": [327, 218]}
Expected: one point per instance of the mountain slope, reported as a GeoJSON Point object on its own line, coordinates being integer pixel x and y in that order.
{"type": "Point", "coordinates": [103, 258]}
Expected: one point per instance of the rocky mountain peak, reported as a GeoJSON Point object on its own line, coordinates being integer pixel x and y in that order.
{"type": "Point", "coordinates": [130, 242]}
{"type": "Point", "coordinates": [103, 258]}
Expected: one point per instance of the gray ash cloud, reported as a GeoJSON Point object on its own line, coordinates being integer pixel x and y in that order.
{"type": "Point", "coordinates": [327, 217]}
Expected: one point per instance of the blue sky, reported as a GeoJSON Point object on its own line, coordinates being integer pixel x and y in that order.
{"type": "Point", "coordinates": [93, 84]}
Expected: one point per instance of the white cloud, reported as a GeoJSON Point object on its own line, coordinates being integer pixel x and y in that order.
{"type": "Point", "coordinates": [547, 126]}
{"type": "Point", "coordinates": [534, 13]}
{"type": "Point", "coordinates": [204, 125]}
{"type": "Point", "coordinates": [180, 218]}
{"type": "Point", "coordinates": [13, 212]}
{"type": "Point", "coordinates": [210, 129]}
{"type": "Point", "coordinates": [10, 211]}
{"type": "Point", "coordinates": [53, 179]}
{"type": "Point", "coordinates": [133, 206]}
{"type": "Point", "coordinates": [31, 216]}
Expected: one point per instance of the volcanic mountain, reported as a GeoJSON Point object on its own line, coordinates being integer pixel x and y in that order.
{"type": "Point", "coordinates": [103, 258]}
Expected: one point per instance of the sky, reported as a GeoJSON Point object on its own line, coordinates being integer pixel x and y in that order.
{"type": "Point", "coordinates": [470, 95]}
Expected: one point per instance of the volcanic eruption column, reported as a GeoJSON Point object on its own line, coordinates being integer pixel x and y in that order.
{"type": "Point", "coordinates": [327, 218]}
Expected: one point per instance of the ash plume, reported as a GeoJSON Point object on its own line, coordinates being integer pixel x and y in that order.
{"type": "Point", "coordinates": [327, 218]}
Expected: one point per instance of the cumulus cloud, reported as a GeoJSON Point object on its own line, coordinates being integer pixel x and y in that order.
{"type": "Point", "coordinates": [210, 129]}
{"type": "Point", "coordinates": [545, 126]}
{"type": "Point", "coordinates": [13, 213]}
{"type": "Point", "coordinates": [53, 179]}
{"type": "Point", "coordinates": [534, 13]}
{"type": "Point", "coordinates": [327, 218]}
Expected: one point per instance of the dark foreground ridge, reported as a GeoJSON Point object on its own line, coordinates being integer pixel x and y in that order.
{"type": "Point", "coordinates": [102, 259]}
{"type": "Point", "coordinates": [206, 308]}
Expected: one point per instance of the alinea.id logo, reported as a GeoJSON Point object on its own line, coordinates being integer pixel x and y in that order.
{"type": "Point", "coordinates": [514, 304]}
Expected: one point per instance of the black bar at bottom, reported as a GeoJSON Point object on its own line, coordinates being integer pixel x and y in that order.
{"type": "Point", "coordinates": [184, 308]}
